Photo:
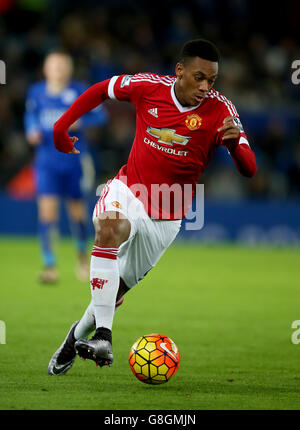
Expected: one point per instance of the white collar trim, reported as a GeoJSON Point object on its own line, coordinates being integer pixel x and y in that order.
{"type": "Point", "coordinates": [178, 105]}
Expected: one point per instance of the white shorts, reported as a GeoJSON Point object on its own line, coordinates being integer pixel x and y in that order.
{"type": "Point", "coordinates": [148, 239]}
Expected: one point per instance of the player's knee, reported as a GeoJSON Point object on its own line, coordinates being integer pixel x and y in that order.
{"type": "Point", "coordinates": [111, 231]}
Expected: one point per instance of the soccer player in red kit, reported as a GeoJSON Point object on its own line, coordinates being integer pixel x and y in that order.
{"type": "Point", "coordinates": [180, 122]}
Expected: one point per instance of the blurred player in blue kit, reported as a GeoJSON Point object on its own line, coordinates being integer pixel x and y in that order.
{"type": "Point", "coordinates": [58, 175]}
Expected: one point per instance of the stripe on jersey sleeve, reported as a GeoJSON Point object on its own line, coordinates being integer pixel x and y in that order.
{"type": "Point", "coordinates": [243, 140]}
{"type": "Point", "coordinates": [230, 107]}
{"type": "Point", "coordinates": [110, 90]}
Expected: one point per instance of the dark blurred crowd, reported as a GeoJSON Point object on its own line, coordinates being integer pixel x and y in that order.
{"type": "Point", "coordinates": [258, 45]}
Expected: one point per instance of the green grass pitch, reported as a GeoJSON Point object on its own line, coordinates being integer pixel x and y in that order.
{"type": "Point", "coordinates": [228, 308]}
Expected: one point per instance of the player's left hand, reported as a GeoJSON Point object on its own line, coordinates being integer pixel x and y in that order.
{"type": "Point", "coordinates": [232, 131]}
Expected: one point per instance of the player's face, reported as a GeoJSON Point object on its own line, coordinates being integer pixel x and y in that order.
{"type": "Point", "coordinates": [194, 79]}
{"type": "Point", "coordinates": [58, 68]}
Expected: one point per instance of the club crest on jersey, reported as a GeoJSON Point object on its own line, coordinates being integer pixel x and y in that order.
{"type": "Point", "coordinates": [167, 136]}
{"type": "Point", "coordinates": [117, 205]}
{"type": "Point", "coordinates": [193, 122]}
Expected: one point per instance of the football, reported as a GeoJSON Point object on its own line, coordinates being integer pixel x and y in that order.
{"type": "Point", "coordinates": [154, 358]}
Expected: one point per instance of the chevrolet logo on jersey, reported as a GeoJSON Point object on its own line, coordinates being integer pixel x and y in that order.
{"type": "Point", "coordinates": [167, 136]}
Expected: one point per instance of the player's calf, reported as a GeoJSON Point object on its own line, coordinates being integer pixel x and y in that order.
{"type": "Point", "coordinates": [111, 231]}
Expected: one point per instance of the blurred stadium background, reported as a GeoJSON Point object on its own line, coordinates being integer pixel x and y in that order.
{"type": "Point", "coordinates": [112, 37]}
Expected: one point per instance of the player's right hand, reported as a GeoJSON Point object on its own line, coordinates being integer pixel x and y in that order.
{"type": "Point", "coordinates": [63, 142]}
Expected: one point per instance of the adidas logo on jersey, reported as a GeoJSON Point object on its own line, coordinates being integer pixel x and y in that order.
{"type": "Point", "coordinates": [153, 112]}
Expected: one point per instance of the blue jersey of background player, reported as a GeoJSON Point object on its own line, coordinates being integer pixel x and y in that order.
{"type": "Point", "coordinates": [43, 109]}
{"type": "Point", "coordinates": [58, 175]}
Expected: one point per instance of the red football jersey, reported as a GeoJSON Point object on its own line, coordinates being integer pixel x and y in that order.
{"type": "Point", "coordinates": [173, 144]}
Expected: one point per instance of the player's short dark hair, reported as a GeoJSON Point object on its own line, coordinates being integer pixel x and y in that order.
{"type": "Point", "coordinates": [199, 48]}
